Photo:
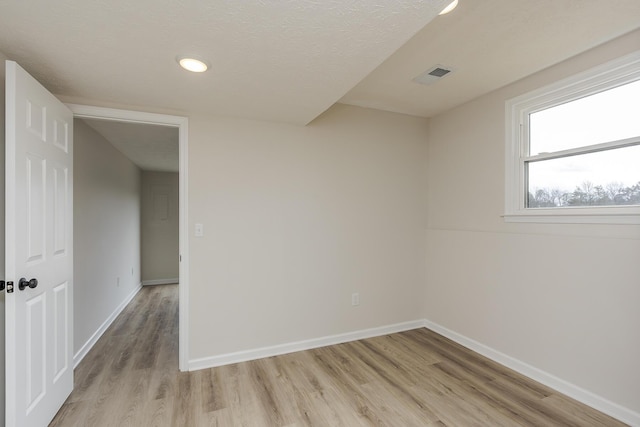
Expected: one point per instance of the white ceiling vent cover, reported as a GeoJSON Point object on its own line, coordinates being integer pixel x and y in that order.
{"type": "Point", "coordinates": [433, 74]}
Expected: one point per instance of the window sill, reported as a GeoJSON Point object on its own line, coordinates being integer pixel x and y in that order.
{"type": "Point", "coordinates": [629, 216]}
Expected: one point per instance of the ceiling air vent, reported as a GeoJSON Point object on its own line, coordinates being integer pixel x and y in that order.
{"type": "Point", "coordinates": [433, 74]}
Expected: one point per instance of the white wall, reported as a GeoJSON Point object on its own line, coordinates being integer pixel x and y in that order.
{"type": "Point", "coordinates": [2, 294]}
{"type": "Point", "coordinates": [160, 227]}
{"type": "Point", "coordinates": [107, 189]}
{"type": "Point", "coordinates": [296, 219]}
{"type": "Point", "coordinates": [563, 298]}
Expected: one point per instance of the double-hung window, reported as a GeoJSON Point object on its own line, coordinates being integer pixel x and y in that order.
{"type": "Point", "coordinates": [573, 148]}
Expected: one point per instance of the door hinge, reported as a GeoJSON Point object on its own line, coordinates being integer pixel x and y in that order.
{"type": "Point", "coordinates": [1, 285]}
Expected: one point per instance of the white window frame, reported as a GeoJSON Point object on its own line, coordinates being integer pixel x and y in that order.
{"type": "Point", "coordinates": [607, 76]}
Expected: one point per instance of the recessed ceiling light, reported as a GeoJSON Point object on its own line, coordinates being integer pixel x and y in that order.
{"type": "Point", "coordinates": [192, 64]}
{"type": "Point", "coordinates": [449, 8]}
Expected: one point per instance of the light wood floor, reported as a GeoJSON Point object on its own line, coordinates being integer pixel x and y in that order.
{"type": "Point", "coordinates": [414, 378]}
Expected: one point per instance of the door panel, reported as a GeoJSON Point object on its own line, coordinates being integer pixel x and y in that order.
{"type": "Point", "coordinates": [36, 341]}
{"type": "Point", "coordinates": [39, 244]}
{"type": "Point", "coordinates": [36, 172]}
{"type": "Point", "coordinates": [60, 203]}
{"type": "Point", "coordinates": [60, 331]}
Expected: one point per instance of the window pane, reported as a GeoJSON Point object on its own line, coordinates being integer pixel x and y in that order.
{"type": "Point", "coordinates": [606, 116]}
{"type": "Point", "coordinates": [597, 179]}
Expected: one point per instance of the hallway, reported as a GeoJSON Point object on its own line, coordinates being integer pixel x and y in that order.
{"type": "Point", "coordinates": [133, 367]}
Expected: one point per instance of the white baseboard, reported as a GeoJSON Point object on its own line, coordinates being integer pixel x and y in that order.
{"type": "Point", "coordinates": [160, 282]}
{"type": "Point", "coordinates": [259, 353]}
{"type": "Point", "coordinates": [597, 402]}
{"type": "Point", "coordinates": [77, 358]}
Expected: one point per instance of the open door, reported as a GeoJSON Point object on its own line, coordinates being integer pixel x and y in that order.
{"type": "Point", "coordinates": [39, 251]}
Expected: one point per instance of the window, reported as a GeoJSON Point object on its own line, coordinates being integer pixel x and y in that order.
{"type": "Point", "coordinates": [573, 148]}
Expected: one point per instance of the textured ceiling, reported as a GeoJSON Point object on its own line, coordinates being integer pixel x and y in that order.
{"type": "Point", "coordinates": [280, 60]}
{"type": "Point", "coordinates": [151, 147]}
{"type": "Point", "coordinates": [489, 44]}
{"type": "Point", "coordinates": [290, 60]}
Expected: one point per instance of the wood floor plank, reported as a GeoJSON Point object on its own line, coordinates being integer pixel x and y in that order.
{"type": "Point", "coordinates": [346, 387]}
{"type": "Point", "coordinates": [185, 402]}
{"type": "Point", "coordinates": [157, 413]}
{"type": "Point", "coordinates": [577, 411]}
{"type": "Point", "coordinates": [241, 396]}
{"type": "Point", "coordinates": [128, 406]}
{"type": "Point", "coordinates": [413, 378]}
{"type": "Point", "coordinates": [213, 398]}
{"type": "Point", "coordinates": [397, 377]}
{"type": "Point", "coordinates": [220, 418]}
{"type": "Point", "coordinates": [393, 409]}
{"type": "Point", "coordinates": [317, 401]}
{"type": "Point", "coordinates": [71, 414]}
{"type": "Point", "coordinates": [457, 402]}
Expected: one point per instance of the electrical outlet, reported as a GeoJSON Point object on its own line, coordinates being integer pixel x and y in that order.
{"type": "Point", "coordinates": [355, 299]}
{"type": "Point", "coordinates": [132, 271]}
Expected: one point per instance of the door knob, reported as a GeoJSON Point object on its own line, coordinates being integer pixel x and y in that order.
{"type": "Point", "coordinates": [23, 283]}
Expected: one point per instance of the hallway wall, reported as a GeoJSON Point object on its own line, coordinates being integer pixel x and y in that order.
{"type": "Point", "coordinates": [160, 245]}
{"type": "Point", "coordinates": [107, 188]}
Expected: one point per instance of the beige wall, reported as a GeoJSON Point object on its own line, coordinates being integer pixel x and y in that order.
{"type": "Point", "coordinates": [106, 231]}
{"type": "Point", "coordinates": [296, 219]}
{"type": "Point", "coordinates": [562, 298]}
{"type": "Point", "coordinates": [2, 294]}
{"type": "Point", "coordinates": [159, 227]}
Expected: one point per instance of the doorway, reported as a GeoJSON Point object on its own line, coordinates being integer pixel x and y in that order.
{"type": "Point", "coordinates": [179, 123]}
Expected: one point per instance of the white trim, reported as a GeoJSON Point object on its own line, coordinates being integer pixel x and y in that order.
{"type": "Point", "coordinates": [595, 148]}
{"type": "Point", "coordinates": [546, 217]}
{"type": "Point", "coordinates": [91, 112]}
{"type": "Point", "coordinates": [182, 123]}
{"type": "Point", "coordinates": [77, 358]}
{"type": "Point", "coordinates": [619, 412]}
{"type": "Point", "coordinates": [183, 346]}
{"type": "Point", "coordinates": [276, 350]}
{"type": "Point", "coordinates": [160, 282]}
{"type": "Point", "coordinates": [606, 76]}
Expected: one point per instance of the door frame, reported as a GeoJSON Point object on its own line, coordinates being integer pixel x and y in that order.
{"type": "Point", "coordinates": [182, 123]}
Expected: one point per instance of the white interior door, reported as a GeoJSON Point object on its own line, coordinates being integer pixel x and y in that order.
{"type": "Point", "coordinates": [39, 245]}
